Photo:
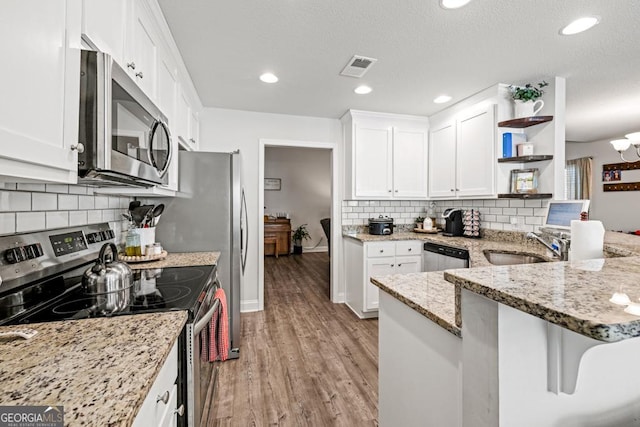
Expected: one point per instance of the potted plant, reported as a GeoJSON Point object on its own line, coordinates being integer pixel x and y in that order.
{"type": "Point", "coordinates": [526, 97]}
{"type": "Point", "coordinates": [419, 222]}
{"type": "Point", "coordinates": [297, 236]}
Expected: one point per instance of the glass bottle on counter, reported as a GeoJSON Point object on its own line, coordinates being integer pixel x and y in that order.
{"type": "Point", "coordinates": [132, 244]}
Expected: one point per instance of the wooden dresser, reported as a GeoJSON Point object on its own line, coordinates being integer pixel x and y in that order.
{"type": "Point", "coordinates": [277, 234]}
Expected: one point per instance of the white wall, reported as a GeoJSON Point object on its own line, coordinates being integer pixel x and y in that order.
{"type": "Point", "coordinates": [228, 130]}
{"type": "Point", "coordinates": [618, 210]}
{"type": "Point", "coordinates": [305, 193]}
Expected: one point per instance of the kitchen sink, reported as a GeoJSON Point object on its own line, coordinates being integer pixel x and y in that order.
{"type": "Point", "coordinates": [506, 258]}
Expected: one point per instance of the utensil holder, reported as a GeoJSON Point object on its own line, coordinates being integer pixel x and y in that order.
{"type": "Point", "coordinates": [147, 237]}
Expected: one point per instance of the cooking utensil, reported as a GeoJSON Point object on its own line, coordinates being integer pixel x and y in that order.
{"type": "Point", "coordinates": [155, 214]}
{"type": "Point", "coordinates": [134, 204]}
{"type": "Point", "coordinates": [139, 214]}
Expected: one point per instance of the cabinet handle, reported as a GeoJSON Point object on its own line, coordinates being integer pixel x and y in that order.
{"type": "Point", "coordinates": [79, 146]}
{"type": "Point", "coordinates": [409, 249]}
{"type": "Point", "coordinates": [381, 250]}
{"type": "Point", "coordinates": [399, 265]}
{"type": "Point", "coordinates": [164, 397]}
{"type": "Point", "coordinates": [452, 189]}
{"type": "Point", "coordinates": [139, 74]}
{"type": "Point", "coordinates": [179, 411]}
{"type": "Point", "coordinates": [389, 191]}
{"type": "Point", "coordinates": [391, 265]}
{"type": "Point", "coordinates": [457, 189]}
{"type": "Point", "coordinates": [131, 65]}
{"type": "Point", "coordinates": [193, 141]}
{"type": "Point", "coordinates": [396, 191]}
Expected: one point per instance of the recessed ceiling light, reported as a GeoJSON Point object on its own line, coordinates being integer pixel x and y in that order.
{"type": "Point", "coordinates": [442, 99]}
{"type": "Point", "coordinates": [269, 78]}
{"type": "Point", "coordinates": [580, 25]}
{"type": "Point", "coordinates": [362, 90]}
{"type": "Point", "coordinates": [453, 4]}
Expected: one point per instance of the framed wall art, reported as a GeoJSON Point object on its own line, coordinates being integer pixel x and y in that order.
{"type": "Point", "coordinates": [524, 181]}
{"type": "Point", "coordinates": [272, 184]}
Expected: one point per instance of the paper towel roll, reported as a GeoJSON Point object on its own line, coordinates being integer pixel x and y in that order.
{"type": "Point", "coordinates": [587, 239]}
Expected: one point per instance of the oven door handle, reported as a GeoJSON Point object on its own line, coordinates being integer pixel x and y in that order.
{"type": "Point", "coordinates": [206, 319]}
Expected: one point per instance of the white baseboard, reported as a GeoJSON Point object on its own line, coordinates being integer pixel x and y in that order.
{"type": "Point", "coordinates": [249, 306]}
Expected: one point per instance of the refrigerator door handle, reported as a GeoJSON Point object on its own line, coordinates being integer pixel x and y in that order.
{"type": "Point", "coordinates": [244, 231]}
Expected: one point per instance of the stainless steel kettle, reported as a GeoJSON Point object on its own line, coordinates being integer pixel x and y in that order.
{"type": "Point", "coordinates": [107, 276]}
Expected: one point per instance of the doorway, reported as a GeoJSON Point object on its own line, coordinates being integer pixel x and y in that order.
{"type": "Point", "coordinates": [335, 294]}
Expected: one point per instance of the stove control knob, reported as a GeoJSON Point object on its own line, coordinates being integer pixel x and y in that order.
{"type": "Point", "coordinates": [104, 235]}
{"type": "Point", "coordinates": [15, 255]}
{"type": "Point", "coordinates": [91, 238]}
{"type": "Point", "coordinates": [111, 233]}
{"type": "Point", "coordinates": [34, 251]}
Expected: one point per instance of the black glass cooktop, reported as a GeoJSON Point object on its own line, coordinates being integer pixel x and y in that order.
{"type": "Point", "coordinates": [153, 290]}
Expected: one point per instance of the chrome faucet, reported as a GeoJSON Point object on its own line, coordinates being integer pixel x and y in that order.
{"type": "Point", "coordinates": [559, 245]}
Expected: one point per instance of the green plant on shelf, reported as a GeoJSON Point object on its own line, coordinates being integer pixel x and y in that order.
{"type": "Point", "coordinates": [527, 92]}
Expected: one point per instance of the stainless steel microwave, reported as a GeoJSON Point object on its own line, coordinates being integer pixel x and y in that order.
{"type": "Point", "coordinates": [125, 137]}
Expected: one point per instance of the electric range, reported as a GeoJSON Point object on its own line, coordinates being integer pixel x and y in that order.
{"type": "Point", "coordinates": [41, 281]}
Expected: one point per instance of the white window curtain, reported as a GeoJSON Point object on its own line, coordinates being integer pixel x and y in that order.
{"type": "Point", "coordinates": [578, 178]}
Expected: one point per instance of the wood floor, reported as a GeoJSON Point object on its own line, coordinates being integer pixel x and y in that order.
{"type": "Point", "coordinates": [304, 361]}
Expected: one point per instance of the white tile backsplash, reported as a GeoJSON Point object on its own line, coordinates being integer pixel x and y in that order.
{"type": "Point", "coordinates": [13, 201]}
{"type": "Point", "coordinates": [57, 188]}
{"type": "Point", "coordinates": [57, 219]}
{"type": "Point", "coordinates": [86, 202]}
{"type": "Point", "coordinates": [49, 206]}
{"type": "Point", "coordinates": [67, 202]}
{"type": "Point", "coordinates": [30, 221]}
{"type": "Point", "coordinates": [7, 223]}
{"type": "Point", "coordinates": [495, 214]}
{"type": "Point", "coordinates": [77, 218]}
{"type": "Point", "coordinates": [44, 202]}
{"type": "Point", "coordinates": [30, 187]}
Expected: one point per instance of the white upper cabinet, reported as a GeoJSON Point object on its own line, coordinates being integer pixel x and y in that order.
{"type": "Point", "coordinates": [187, 122]}
{"type": "Point", "coordinates": [104, 26]}
{"type": "Point", "coordinates": [373, 174]}
{"type": "Point", "coordinates": [40, 90]}
{"type": "Point", "coordinates": [462, 155]}
{"type": "Point", "coordinates": [194, 129]}
{"type": "Point", "coordinates": [142, 50]}
{"type": "Point", "coordinates": [409, 163]}
{"type": "Point", "coordinates": [442, 161]}
{"type": "Point", "coordinates": [475, 153]}
{"type": "Point", "coordinates": [385, 156]}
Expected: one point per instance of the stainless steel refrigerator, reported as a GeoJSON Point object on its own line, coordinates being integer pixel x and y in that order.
{"type": "Point", "coordinates": [209, 214]}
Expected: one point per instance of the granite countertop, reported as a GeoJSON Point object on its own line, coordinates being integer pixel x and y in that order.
{"type": "Point", "coordinates": [427, 293]}
{"type": "Point", "coordinates": [184, 259]}
{"type": "Point", "coordinates": [431, 295]}
{"type": "Point", "coordinates": [100, 370]}
{"type": "Point", "coordinates": [574, 295]}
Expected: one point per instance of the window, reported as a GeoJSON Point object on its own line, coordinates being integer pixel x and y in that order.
{"type": "Point", "coordinates": [578, 178]}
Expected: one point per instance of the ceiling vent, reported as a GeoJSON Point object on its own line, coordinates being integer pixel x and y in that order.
{"type": "Point", "coordinates": [358, 66]}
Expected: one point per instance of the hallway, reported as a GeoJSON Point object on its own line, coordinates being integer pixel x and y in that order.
{"type": "Point", "coordinates": [304, 361]}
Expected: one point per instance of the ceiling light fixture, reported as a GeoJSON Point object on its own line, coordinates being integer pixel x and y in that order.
{"type": "Point", "coordinates": [442, 99]}
{"type": "Point", "coordinates": [362, 90]}
{"type": "Point", "coordinates": [453, 4]}
{"type": "Point", "coordinates": [269, 78]}
{"type": "Point", "coordinates": [580, 25]}
{"type": "Point", "coordinates": [621, 145]}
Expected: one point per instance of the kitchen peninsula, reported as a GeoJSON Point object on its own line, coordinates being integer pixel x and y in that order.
{"type": "Point", "coordinates": [525, 345]}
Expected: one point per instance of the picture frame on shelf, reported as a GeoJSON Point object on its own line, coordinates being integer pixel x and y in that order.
{"type": "Point", "coordinates": [272, 184]}
{"type": "Point", "coordinates": [524, 181]}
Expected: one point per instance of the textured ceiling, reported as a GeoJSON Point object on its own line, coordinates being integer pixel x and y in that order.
{"type": "Point", "coordinates": [422, 51]}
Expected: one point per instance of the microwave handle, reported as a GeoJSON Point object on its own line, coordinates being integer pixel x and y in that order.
{"type": "Point", "coordinates": [159, 126]}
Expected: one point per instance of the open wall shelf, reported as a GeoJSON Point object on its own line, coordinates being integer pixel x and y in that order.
{"type": "Point", "coordinates": [526, 159]}
{"type": "Point", "coordinates": [525, 122]}
{"type": "Point", "coordinates": [525, 196]}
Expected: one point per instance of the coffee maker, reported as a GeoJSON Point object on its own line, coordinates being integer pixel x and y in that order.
{"type": "Point", "coordinates": [453, 222]}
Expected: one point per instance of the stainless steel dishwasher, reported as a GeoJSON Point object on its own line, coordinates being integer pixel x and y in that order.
{"type": "Point", "coordinates": [438, 257]}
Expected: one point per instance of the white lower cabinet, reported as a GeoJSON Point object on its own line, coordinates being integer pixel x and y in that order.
{"type": "Point", "coordinates": [159, 407]}
{"type": "Point", "coordinates": [374, 259]}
